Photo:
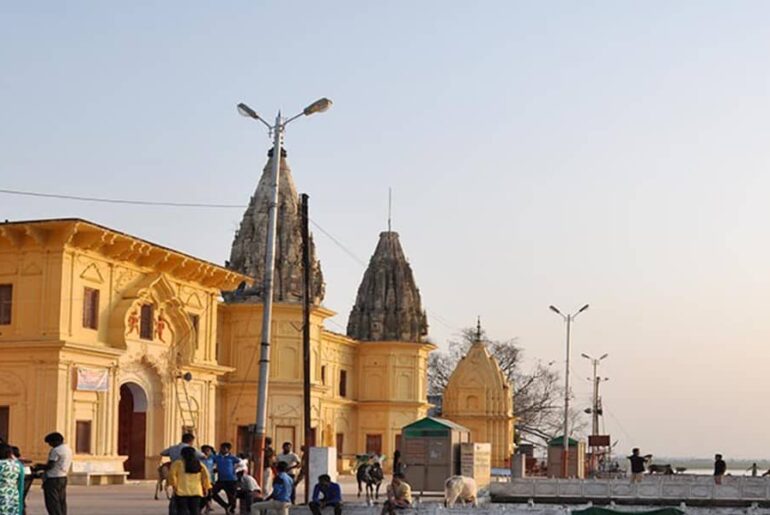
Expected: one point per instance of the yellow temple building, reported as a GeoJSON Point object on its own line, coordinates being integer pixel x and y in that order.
{"type": "Point", "coordinates": [121, 344]}
{"type": "Point", "coordinates": [99, 331]}
{"type": "Point", "coordinates": [479, 397]}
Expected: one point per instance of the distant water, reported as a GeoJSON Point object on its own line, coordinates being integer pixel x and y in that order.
{"type": "Point", "coordinates": [732, 472]}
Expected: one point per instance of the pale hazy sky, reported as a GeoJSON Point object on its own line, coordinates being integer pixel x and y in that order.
{"type": "Point", "coordinates": [614, 153]}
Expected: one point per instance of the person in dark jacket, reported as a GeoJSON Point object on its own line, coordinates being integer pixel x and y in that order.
{"type": "Point", "coordinates": [638, 464]}
{"type": "Point", "coordinates": [720, 467]}
{"type": "Point", "coordinates": [326, 493]}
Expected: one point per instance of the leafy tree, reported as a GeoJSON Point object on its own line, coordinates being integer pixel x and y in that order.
{"type": "Point", "coordinates": [538, 395]}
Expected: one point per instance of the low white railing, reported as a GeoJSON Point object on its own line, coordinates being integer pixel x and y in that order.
{"type": "Point", "coordinates": [679, 488]}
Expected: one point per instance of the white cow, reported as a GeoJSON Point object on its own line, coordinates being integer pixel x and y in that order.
{"type": "Point", "coordinates": [460, 488]}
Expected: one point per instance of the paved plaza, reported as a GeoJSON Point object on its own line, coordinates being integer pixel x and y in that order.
{"type": "Point", "coordinates": [136, 498]}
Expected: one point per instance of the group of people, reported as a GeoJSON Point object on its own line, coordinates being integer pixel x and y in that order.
{"type": "Point", "coordinates": [198, 478]}
{"type": "Point", "coordinates": [639, 466]}
{"type": "Point", "coordinates": [16, 477]}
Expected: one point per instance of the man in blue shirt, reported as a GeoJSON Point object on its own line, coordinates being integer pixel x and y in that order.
{"type": "Point", "coordinates": [326, 493]}
{"type": "Point", "coordinates": [279, 499]}
{"type": "Point", "coordinates": [226, 478]}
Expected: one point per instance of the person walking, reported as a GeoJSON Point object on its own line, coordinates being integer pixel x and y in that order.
{"type": "Point", "coordinates": [190, 481]}
{"type": "Point", "coordinates": [292, 462]}
{"type": "Point", "coordinates": [326, 493]}
{"type": "Point", "coordinates": [279, 499]}
{"type": "Point", "coordinates": [268, 465]}
{"type": "Point", "coordinates": [11, 482]}
{"type": "Point", "coordinates": [28, 476]}
{"type": "Point", "coordinates": [720, 467]}
{"type": "Point", "coordinates": [226, 478]}
{"type": "Point", "coordinates": [399, 495]}
{"type": "Point", "coordinates": [638, 464]}
{"type": "Point", "coordinates": [55, 476]}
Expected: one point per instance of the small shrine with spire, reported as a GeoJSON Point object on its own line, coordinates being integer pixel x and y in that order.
{"type": "Point", "coordinates": [479, 397]}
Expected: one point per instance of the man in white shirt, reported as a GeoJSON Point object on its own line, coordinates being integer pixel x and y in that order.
{"type": "Point", "coordinates": [55, 477]}
{"type": "Point", "coordinates": [292, 462]}
{"type": "Point", "coordinates": [248, 491]}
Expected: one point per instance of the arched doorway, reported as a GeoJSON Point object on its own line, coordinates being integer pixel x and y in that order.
{"type": "Point", "coordinates": [132, 428]}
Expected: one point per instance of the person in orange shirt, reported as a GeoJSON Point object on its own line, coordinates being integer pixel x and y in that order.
{"type": "Point", "coordinates": [190, 481]}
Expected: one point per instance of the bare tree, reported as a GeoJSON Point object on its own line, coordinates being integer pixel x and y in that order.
{"type": "Point", "coordinates": [537, 393]}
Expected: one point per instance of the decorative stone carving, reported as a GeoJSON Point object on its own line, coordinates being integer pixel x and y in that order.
{"type": "Point", "coordinates": [247, 255]}
{"type": "Point", "coordinates": [388, 305]}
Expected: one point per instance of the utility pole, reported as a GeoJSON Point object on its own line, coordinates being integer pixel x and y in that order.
{"type": "Point", "coordinates": [596, 408]}
{"type": "Point", "coordinates": [276, 131]}
{"type": "Point", "coordinates": [306, 280]}
{"type": "Point", "coordinates": [569, 318]}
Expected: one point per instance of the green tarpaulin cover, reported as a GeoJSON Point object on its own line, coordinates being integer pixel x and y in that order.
{"type": "Point", "coordinates": [607, 511]}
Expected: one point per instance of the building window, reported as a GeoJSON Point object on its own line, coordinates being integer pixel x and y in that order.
{"type": "Point", "coordinates": [343, 383]}
{"type": "Point", "coordinates": [83, 437]}
{"type": "Point", "coordinates": [90, 308]}
{"type": "Point", "coordinates": [6, 301]}
{"type": "Point", "coordinates": [5, 423]}
{"type": "Point", "coordinates": [146, 322]}
{"type": "Point", "coordinates": [195, 321]}
{"type": "Point", "coordinates": [374, 444]}
{"type": "Point", "coordinates": [340, 441]}
{"type": "Point", "coordinates": [323, 374]}
{"type": "Point", "coordinates": [245, 438]}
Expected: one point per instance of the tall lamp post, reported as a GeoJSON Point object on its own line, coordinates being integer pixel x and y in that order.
{"type": "Point", "coordinates": [569, 318]}
{"type": "Point", "coordinates": [276, 131]}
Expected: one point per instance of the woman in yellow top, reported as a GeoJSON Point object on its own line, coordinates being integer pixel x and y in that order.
{"type": "Point", "coordinates": [191, 483]}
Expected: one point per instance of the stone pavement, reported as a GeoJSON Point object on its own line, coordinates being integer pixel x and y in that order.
{"type": "Point", "coordinates": [136, 498]}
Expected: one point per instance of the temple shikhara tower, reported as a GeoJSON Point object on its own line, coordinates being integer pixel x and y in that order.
{"type": "Point", "coordinates": [247, 255]}
{"type": "Point", "coordinates": [479, 397]}
{"type": "Point", "coordinates": [365, 385]}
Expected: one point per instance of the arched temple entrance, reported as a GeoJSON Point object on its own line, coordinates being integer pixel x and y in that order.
{"type": "Point", "coordinates": [132, 429]}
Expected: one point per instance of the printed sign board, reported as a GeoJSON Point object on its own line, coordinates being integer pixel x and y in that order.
{"type": "Point", "coordinates": [599, 440]}
{"type": "Point", "coordinates": [92, 379]}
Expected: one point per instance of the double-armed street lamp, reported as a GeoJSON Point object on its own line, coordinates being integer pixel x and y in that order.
{"type": "Point", "coordinates": [569, 318]}
{"type": "Point", "coordinates": [277, 131]}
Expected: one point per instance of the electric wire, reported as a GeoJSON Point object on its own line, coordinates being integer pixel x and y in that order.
{"type": "Point", "coordinates": [81, 198]}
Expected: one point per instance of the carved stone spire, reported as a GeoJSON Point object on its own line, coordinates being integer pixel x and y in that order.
{"type": "Point", "coordinates": [388, 306]}
{"type": "Point", "coordinates": [247, 255]}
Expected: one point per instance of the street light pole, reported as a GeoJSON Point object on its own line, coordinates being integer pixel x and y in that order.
{"type": "Point", "coordinates": [277, 130]}
{"type": "Point", "coordinates": [569, 318]}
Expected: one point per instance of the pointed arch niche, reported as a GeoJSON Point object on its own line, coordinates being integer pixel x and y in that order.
{"type": "Point", "coordinates": [171, 323]}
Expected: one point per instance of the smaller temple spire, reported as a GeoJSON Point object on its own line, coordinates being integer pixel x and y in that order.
{"type": "Point", "coordinates": [478, 328]}
{"type": "Point", "coordinates": [388, 305]}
